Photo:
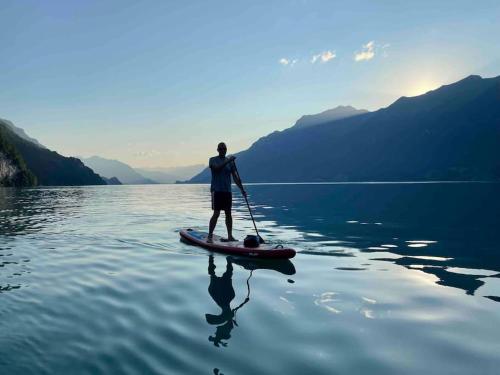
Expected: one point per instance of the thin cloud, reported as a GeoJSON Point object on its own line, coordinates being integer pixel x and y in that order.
{"type": "Point", "coordinates": [367, 52]}
{"type": "Point", "coordinates": [287, 62]}
{"type": "Point", "coordinates": [146, 154]}
{"type": "Point", "coordinates": [324, 57]}
{"type": "Point", "coordinates": [384, 49]}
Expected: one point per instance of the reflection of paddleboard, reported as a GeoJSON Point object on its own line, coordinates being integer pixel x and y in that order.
{"type": "Point", "coordinates": [283, 266]}
{"type": "Point", "coordinates": [235, 247]}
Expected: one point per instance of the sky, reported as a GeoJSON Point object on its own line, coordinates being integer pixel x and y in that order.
{"type": "Point", "coordinates": [160, 83]}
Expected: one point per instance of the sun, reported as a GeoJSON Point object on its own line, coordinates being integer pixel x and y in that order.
{"type": "Point", "coordinates": [421, 86]}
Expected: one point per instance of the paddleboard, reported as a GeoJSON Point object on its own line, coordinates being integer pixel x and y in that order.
{"type": "Point", "coordinates": [199, 238]}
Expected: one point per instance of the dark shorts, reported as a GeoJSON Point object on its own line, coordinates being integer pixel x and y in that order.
{"type": "Point", "coordinates": [221, 200]}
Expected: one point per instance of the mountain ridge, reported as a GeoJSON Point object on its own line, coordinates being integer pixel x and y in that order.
{"type": "Point", "coordinates": [337, 113]}
{"type": "Point", "coordinates": [171, 174]}
{"type": "Point", "coordinates": [13, 169]}
{"type": "Point", "coordinates": [21, 133]}
{"type": "Point", "coordinates": [109, 168]}
{"type": "Point", "coordinates": [49, 167]}
{"type": "Point", "coordinates": [449, 133]}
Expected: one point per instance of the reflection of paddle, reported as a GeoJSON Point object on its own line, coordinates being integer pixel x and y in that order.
{"type": "Point", "coordinates": [246, 299]}
{"type": "Point", "coordinates": [261, 240]}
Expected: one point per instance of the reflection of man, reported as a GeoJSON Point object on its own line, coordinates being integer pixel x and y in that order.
{"type": "Point", "coordinates": [222, 169]}
{"type": "Point", "coordinates": [222, 291]}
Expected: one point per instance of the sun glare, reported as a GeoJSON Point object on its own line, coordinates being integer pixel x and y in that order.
{"type": "Point", "coordinates": [421, 87]}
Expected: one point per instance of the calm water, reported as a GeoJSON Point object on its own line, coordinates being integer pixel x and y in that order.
{"type": "Point", "coordinates": [389, 279]}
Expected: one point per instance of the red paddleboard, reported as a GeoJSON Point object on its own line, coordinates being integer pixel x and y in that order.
{"type": "Point", "coordinates": [236, 247]}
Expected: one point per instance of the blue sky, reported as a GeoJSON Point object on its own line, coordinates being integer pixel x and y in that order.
{"type": "Point", "coordinates": [159, 83]}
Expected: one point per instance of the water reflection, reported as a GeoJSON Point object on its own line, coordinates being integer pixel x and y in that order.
{"type": "Point", "coordinates": [283, 266]}
{"type": "Point", "coordinates": [115, 254]}
{"type": "Point", "coordinates": [441, 269]}
{"type": "Point", "coordinates": [29, 212]}
{"type": "Point", "coordinates": [426, 227]}
{"type": "Point", "coordinates": [26, 211]}
{"type": "Point", "coordinates": [222, 292]}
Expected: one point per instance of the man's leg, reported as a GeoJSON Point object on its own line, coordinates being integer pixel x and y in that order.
{"type": "Point", "coordinates": [229, 225]}
{"type": "Point", "coordinates": [213, 223]}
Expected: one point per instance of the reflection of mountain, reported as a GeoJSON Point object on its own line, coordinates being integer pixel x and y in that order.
{"type": "Point", "coordinates": [383, 217]}
{"type": "Point", "coordinates": [451, 133]}
{"type": "Point", "coordinates": [468, 282]}
{"type": "Point", "coordinates": [114, 168]}
{"type": "Point", "coordinates": [49, 167]}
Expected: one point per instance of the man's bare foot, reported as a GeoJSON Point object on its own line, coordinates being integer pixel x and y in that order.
{"type": "Point", "coordinates": [210, 238]}
{"type": "Point", "coordinates": [231, 239]}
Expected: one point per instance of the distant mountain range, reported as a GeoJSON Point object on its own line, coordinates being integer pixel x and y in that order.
{"type": "Point", "coordinates": [25, 162]}
{"type": "Point", "coordinates": [33, 163]}
{"type": "Point", "coordinates": [112, 181]}
{"type": "Point", "coordinates": [172, 174]}
{"type": "Point", "coordinates": [126, 174]}
{"type": "Point", "coordinates": [451, 133]}
{"type": "Point", "coordinates": [109, 168]}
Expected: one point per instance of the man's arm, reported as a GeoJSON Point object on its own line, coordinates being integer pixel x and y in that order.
{"type": "Point", "coordinates": [218, 166]}
{"type": "Point", "coordinates": [238, 182]}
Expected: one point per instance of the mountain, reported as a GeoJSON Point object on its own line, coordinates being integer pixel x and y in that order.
{"type": "Point", "coordinates": [112, 181]}
{"type": "Point", "coordinates": [172, 174]}
{"type": "Point", "coordinates": [13, 170]}
{"type": "Point", "coordinates": [451, 133]}
{"type": "Point", "coordinates": [114, 168]}
{"type": "Point", "coordinates": [20, 132]}
{"type": "Point", "coordinates": [330, 115]}
{"type": "Point", "coordinates": [48, 166]}
{"type": "Point", "coordinates": [156, 175]}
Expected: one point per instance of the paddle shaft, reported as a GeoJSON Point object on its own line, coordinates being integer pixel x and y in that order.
{"type": "Point", "coordinates": [248, 205]}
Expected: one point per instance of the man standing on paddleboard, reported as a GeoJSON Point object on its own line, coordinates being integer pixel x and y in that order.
{"type": "Point", "coordinates": [222, 168]}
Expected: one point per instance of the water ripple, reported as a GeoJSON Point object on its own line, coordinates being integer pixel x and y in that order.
{"type": "Point", "coordinates": [94, 280]}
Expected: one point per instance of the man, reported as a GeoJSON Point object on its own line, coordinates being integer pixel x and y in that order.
{"type": "Point", "coordinates": [222, 168]}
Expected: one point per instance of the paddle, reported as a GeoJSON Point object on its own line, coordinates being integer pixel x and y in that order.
{"type": "Point", "coordinates": [261, 240]}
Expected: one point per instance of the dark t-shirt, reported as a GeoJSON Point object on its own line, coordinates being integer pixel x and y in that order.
{"type": "Point", "coordinates": [221, 179]}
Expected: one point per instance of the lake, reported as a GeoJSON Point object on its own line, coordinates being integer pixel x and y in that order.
{"type": "Point", "coordinates": [388, 279]}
